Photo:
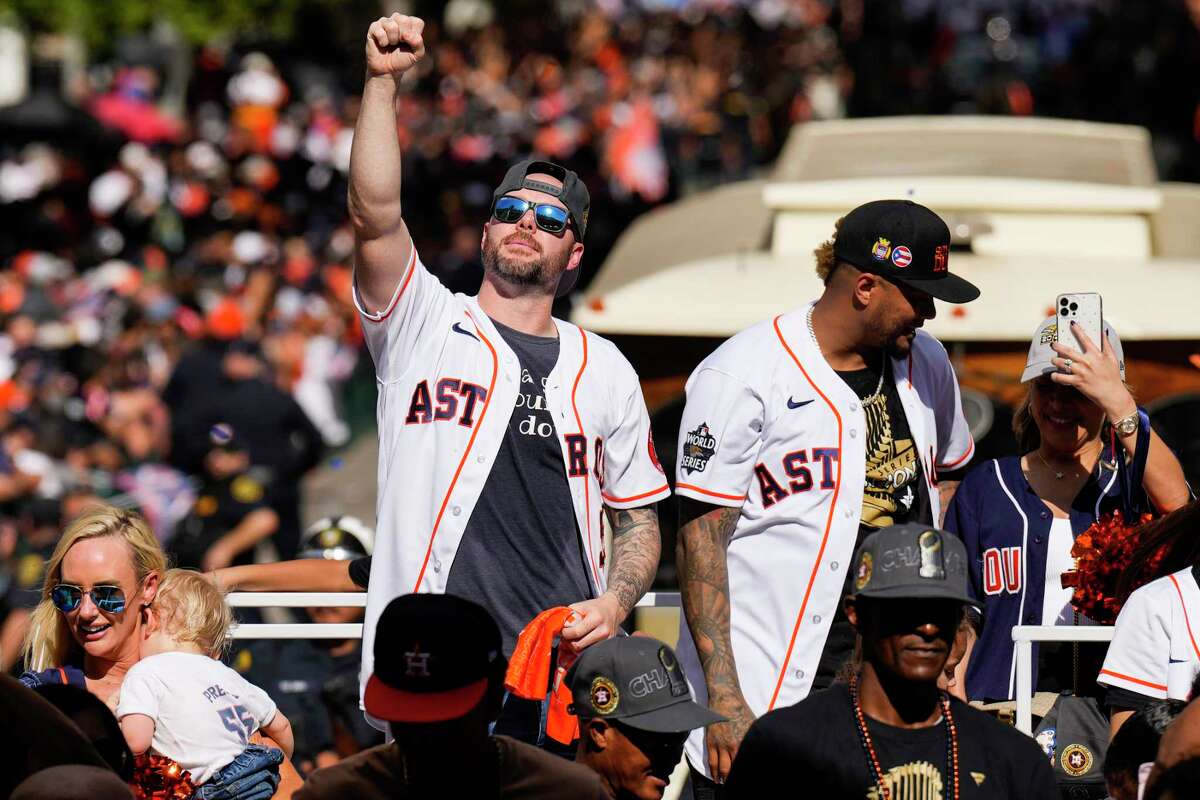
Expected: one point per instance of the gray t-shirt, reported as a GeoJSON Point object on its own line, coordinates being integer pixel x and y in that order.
{"type": "Point", "coordinates": [521, 552]}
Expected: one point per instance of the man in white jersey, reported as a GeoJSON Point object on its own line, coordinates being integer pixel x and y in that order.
{"type": "Point", "coordinates": [503, 432]}
{"type": "Point", "coordinates": [801, 435]}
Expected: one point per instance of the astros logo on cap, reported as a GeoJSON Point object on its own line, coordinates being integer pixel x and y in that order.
{"type": "Point", "coordinates": [604, 695]}
{"type": "Point", "coordinates": [863, 576]}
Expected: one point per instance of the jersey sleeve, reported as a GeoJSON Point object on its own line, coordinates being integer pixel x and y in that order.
{"type": "Point", "coordinates": [955, 446]}
{"type": "Point", "coordinates": [1141, 647]}
{"type": "Point", "coordinates": [633, 476]}
{"type": "Point", "coordinates": [139, 693]}
{"type": "Point", "coordinates": [720, 436]}
{"type": "Point", "coordinates": [258, 703]}
{"type": "Point", "coordinates": [419, 303]}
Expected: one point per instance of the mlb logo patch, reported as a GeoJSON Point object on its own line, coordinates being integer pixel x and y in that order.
{"type": "Point", "coordinates": [902, 256]}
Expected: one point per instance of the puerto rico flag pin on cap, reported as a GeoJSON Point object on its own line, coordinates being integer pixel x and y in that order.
{"type": "Point", "coordinates": [901, 256]}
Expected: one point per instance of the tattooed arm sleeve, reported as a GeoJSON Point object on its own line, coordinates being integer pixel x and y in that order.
{"type": "Point", "coordinates": [704, 583]}
{"type": "Point", "coordinates": [636, 550]}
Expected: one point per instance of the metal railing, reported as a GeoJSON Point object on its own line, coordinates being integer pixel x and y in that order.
{"type": "Point", "coordinates": [1024, 636]}
{"type": "Point", "coordinates": [327, 630]}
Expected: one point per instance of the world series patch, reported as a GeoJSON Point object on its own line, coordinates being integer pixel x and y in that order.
{"type": "Point", "coordinates": [698, 447]}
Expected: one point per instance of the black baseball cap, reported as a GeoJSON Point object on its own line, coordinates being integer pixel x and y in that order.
{"type": "Point", "coordinates": [637, 680]}
{"type": "Point", "coordinates": [573, 193]}
{"type": "Point", "coordinates": [912, 561]}
{"type": "Point", "coordinates": [904, 242]}
{"type": "Point", "coordinates": [434, 655]}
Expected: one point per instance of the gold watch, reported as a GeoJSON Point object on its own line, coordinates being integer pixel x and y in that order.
{"type": "Point", "coordinates": [1126, 425]}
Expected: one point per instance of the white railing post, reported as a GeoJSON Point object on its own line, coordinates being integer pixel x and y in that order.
{"type": "Point", "coordinates": [1024, 636]}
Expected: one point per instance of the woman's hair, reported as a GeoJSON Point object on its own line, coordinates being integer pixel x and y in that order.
{"type": "Point", "coordinates": [1177, 534]}
{"type": "Point", "coordinates": [48, 642]}
{"type": "Point", "coordinates": [190, 609]}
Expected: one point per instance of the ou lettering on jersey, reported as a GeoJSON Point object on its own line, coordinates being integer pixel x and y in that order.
{"type": "Point", "coordinates": [1002, 570]}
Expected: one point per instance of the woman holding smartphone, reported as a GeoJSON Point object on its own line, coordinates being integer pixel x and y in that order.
{"type": "Point", "coordinates": [1086, 450]}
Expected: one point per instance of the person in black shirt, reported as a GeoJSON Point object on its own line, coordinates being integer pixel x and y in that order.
{"type": "Point", "coordinates": [891, 733]}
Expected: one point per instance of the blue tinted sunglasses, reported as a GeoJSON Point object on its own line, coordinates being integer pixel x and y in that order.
{"type": "Point", "coordinates": [550, 218]}
{"type": "Point", "coordinates": [66, 598]}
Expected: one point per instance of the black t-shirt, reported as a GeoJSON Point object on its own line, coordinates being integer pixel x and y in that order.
{"type": "Point", "coordinates": [894, 492]}
{"type": "Point", "coordinates": [815, 744]}
{"type": "Point", "coordinates": [521, 552]}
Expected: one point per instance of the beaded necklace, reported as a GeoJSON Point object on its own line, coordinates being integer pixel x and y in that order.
{"type": "Point", "coordinates": [864, 738]}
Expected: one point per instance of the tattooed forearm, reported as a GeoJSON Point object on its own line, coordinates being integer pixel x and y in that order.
{"type": "Point", "coordinates": [704, 583]}
{"type": "Point", "coordinates": [636, 549]}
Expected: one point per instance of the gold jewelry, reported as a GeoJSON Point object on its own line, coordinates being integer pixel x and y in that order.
{"type": "Point", "coordinates": [1057, 475]}
{"type": "Point", "coordinates": [878, 393]}
{"type": "Point", "coordinates": [1127, 425]}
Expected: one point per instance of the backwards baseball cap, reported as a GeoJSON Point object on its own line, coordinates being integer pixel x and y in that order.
{"type": "Point", "coordinates": [637, 680]}
{"type": "Point", "coordinates": [904, 242]}
{"type": "Point", "coordinates": [573, 193]}
{"type": "Point", "coordinates": [1040, 350]}
{"type": "Point", "coordinates": [340, 537]}
{"type": "Point", "coordinates": [912, 561]}
{"type": "Point", "coordinates": [434, 655]}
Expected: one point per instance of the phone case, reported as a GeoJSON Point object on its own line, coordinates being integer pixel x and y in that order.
{"type": "Point", "coordinates": [1086, 310]}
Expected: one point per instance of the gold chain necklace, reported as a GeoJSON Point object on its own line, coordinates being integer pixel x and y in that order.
{"type": "Point", "coordinates": [874, 396]}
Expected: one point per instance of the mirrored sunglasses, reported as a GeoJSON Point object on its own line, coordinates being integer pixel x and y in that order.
{"type": "Point", "coordinates": [66, 598]}
{"type": "Point", "coordinates": [550, 218]}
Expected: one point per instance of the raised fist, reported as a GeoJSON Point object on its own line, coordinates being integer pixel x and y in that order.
{"type": "Point", "coordinates": [394, 45]}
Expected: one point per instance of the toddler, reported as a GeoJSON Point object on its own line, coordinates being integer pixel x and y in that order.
{"type": "Point", "coordinates": [178, 699]}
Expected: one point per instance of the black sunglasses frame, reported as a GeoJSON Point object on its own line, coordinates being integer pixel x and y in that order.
{"type": "Point", "coordinates": [114, 603]}
{"type": "Point", "coordinates": [539, 220]}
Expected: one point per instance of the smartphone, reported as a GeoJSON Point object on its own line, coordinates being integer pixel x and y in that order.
{"type": "Point", "coordinates": [1086, 310]}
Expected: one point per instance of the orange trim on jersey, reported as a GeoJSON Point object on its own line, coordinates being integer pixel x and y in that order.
{"type": "Point", "coordinates": [837, 487]}
{"type": "Point", "coordinates": [587, 483]}
{"type": "Point", "coordinates": [961, 459]}
{"type": "Point", "coordinates": [1186, 620]}
{"type": "Point", "coordinates": [1131, 679]}
{"type": "Point", "coordinates": [611, 499]}
{"type": "Point", "coordinates": [710, 494]}
{"type": "Point", "coordinates": [910, 360]}
{"type": "Point", "coordinates": [470, 443]}
{"type": "Point", "coordinates": [408, 273]}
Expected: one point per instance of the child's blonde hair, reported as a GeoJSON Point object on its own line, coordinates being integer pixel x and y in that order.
{"type": "Point", "coordinates": [190, 609]}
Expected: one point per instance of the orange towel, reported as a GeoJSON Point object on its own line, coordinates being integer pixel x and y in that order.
{"type": "Point", "coordinates": [528, 673]}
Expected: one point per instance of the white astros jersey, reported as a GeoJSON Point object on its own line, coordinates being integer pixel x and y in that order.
{"type": "Point", "coordinates": [770, 428]}
{"type": "Point", "coordinates": [448, 384]}
{"type": "Point", "coordinates": [1154, 650]}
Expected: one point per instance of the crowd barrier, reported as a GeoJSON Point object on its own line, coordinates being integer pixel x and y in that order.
{"type": "Point", "coordinates": [312, 630]}
{"type": "Point", "coordinates": [1025, 636]}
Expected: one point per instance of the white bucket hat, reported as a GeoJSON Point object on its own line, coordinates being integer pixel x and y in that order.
{"type": "Point", "coordinates": [1040, 350]}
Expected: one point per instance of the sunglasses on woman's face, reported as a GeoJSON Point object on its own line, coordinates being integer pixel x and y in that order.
{"type": "Point", "coordinates": [550, 218]}
{"type": "Point", "coordinates": [67, 597]}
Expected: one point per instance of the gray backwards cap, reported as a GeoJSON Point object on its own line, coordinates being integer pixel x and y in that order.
{"type": "Point", "coordinates": [573, 193]}
{"type": "Point", "coordinates": [638, 681]}
{"type": "Point", "coordinates": [911, 560]}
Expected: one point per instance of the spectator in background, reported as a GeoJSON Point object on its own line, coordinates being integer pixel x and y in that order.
{"type": "Point", "coordinates": [231, 516]}
{"type": "Point", "coordinates": [315, 681]}
{"type": "Point", "coordinates": [635, 712]}
{"type": "Point", "coordinates": [439, 683]}
{"type": "Point", "coordinates": [1087, 450]}
{"type": "Point", "coordinates": [1135, 746]}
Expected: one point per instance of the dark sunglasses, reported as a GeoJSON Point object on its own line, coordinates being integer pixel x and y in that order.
{"type": "Point", "coordinates": [66, 598]}
{"type": "Point", "coordinates": [550, 218]}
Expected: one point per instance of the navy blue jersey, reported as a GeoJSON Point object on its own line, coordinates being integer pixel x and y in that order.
{"type": "Point", "coordinates": [1006, 529]}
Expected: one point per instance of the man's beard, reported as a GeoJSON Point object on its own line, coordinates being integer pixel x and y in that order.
{"type": "Point", "coordinates": [538, 271]}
